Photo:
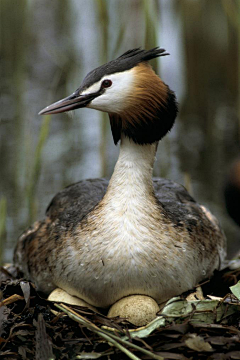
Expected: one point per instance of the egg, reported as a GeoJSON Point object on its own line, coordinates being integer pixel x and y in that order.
{"type": "Point", "coordinates": [60, 295]}
{"type": "Point", "coordinates": [137, 309]}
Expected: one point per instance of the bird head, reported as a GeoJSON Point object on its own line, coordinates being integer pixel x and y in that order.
{"type": "Point", "coordinates": [140, 105]}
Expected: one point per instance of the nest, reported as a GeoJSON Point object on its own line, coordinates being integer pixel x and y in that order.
{"type": "Point", "coordinates": [203, 324]}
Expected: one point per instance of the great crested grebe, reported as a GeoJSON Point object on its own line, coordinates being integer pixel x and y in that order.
{"type": "Point", "coordinates": [102, 241]}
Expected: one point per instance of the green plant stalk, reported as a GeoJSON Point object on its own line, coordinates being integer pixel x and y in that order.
{"type": "Point", "coordinates": [95, 329]}
{"type": "Point", "coordinates": [232, 9]}
{"type": "Point", "coordinates": [238, 106]}
{"type": "Point", "coordinates": [110, 338]}
{"type": "Point", "coordinates": [102, 13]}
{"type": "Point", "coordinates": [3, 218]}
{"type": "Point", "coordinates": [151, 27]}
{"type": "Point", "coordinates": [31, 191]}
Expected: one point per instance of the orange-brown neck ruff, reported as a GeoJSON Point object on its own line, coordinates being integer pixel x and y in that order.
{"type": "Point", "coordinates": [150, 109]}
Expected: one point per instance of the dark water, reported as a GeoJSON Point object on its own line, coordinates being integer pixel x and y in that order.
{"type": "Point", "coordinates": [46, 50]}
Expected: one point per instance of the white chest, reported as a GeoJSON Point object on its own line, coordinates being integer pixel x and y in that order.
{"type": "Point", "coordinates": [123, 245]}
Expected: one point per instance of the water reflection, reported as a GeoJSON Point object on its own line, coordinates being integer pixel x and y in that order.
{"type": "Point", "coordinates": [46, 50]}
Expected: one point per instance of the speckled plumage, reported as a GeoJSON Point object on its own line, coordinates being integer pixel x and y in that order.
{"type": "Point", "coordinates": [102, 241]}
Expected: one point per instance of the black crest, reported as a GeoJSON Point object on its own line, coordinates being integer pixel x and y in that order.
{"type": "Point", "coordinates": [124, 62]}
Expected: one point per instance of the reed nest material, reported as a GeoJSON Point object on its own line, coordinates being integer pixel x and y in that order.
{"type": "Point", "coordinates": [192, 326]}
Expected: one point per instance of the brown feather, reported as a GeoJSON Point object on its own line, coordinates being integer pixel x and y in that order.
{"type": "Point", "coordinates": [148, 95]}
{"type": "Point", "coordinates": [149, 111]}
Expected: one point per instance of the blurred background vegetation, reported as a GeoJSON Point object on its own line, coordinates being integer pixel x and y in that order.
{"type": "Point", "coordinates": [46, 49]}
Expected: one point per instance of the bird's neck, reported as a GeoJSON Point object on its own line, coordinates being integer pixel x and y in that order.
{"type": "Point", "coordinates": [132, 175]}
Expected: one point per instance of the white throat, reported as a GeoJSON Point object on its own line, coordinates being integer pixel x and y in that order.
{"type": "Point", "coordinates": [132, 177]}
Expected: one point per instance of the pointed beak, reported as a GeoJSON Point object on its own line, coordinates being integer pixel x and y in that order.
{"type": "Point", "coordinates": [69, 103]}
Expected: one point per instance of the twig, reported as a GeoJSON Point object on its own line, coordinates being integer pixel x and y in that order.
{"type": "Point", "coordinates": [94, 328]}
{"type": "Point", "coordinates": [110, 337]}
{"type": "Point", "coordinates": [11, 299]}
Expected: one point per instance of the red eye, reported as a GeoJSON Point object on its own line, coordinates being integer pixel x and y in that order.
{"type": "Point", "coordinates": [106, 83]}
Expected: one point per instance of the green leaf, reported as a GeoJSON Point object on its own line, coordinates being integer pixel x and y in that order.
{"type": "Point", "coordinates": [235, 289]}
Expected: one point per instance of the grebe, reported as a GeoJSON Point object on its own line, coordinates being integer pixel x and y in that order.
{"type": "Point", "coordinates": [102, 241]}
